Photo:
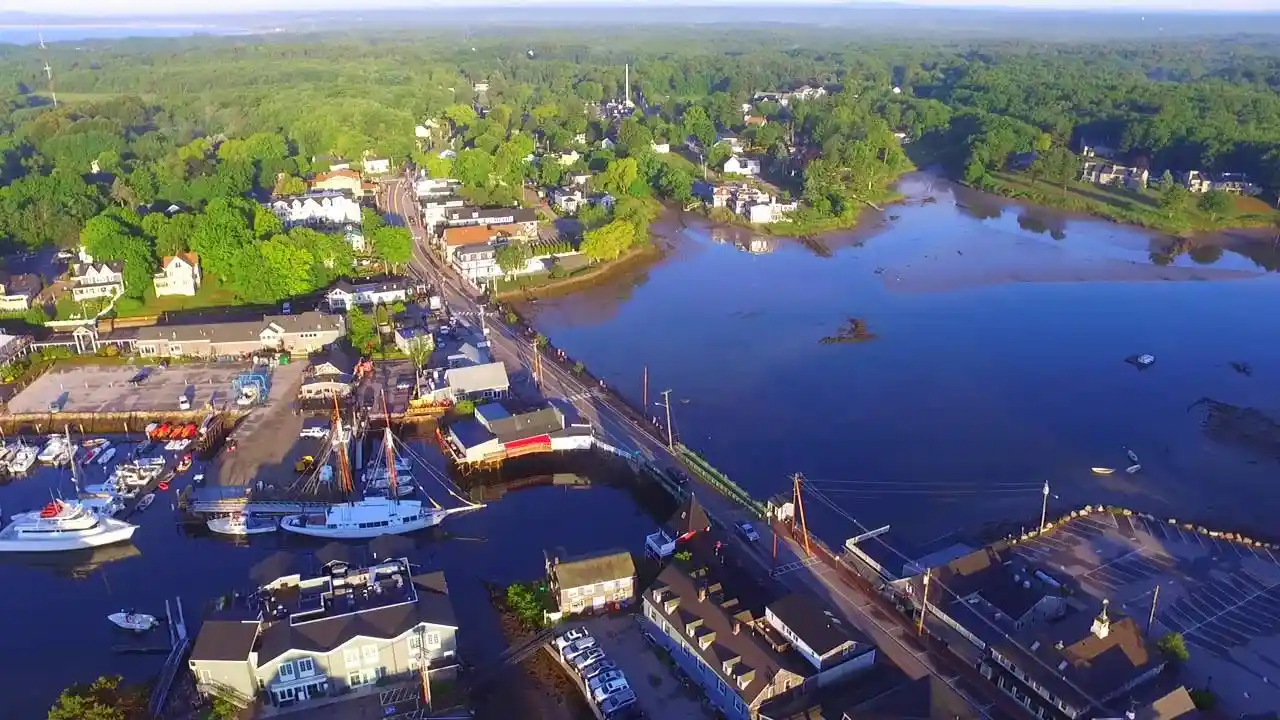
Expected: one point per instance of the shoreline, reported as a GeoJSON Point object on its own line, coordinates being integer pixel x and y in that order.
{"type": "Point", "coordinates": [632, 259]}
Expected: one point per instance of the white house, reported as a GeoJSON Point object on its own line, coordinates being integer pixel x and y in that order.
{"type": "Point", "coordinates": [179, 275]}
{"type": "Point", "coordinates": [567, 159]}
{"type": "Point", "coordinates": [579, 180]}
{"type": "Point", "coordinates": [344, 295]}
{"type": "Point", "coordinates": [376, 166]}
{"type": "Point", "coordinates": [435, 187]}
{"type": "Point", "coordinates": [477, 263]}
{"type": "Point", "coordinates": [591, 583]}
{"type": "Point", "coordinates": [96, 280]}
{"type": "Point", "coordinates": [733, 141]}
{"type": "Point", "coordinates": [736, 165]}
{"type": "Point", "coordinates": [328, 207]}
{"type": "Point", "coordinates": [662, 148]}
{"type": "Point", "coordinates": [355, 238]}
{"type": "Point", "coordinates": [568, 199]}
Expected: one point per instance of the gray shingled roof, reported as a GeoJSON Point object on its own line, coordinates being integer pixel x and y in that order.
{"type": "Point", "coordinates": [225, 640]}
{"type": "Point", "coordinates": [478, 378]}
{"type": "Point", "coordinates": [242, 331]}
{"type": "Point", "coordinates": [577, 572]}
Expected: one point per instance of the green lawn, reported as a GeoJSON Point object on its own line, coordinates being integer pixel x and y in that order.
{"type": "Point", "coordinates": [210, 294]}
{"type": "Point", "coordinates": [68, 309]}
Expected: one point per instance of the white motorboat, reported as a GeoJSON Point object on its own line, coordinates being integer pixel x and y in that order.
{"type": "Point", "coordinates": [146, 501]}
{"type": "Point", "coordinates": [137, 622]}
{"type": "Point", "coordinates": [62, 526]}
{"type": "Point", "coordinates": [55, 452]}
{"type": "Point", "coordinates": [242, 524]}
{"type": "Point", "coordinates": [103, 505]}
{"type": "Point", "coordinates": [1102, 470]}
{"type": "Point", "coordinates": [106, 456]}
{"type": "Point", "coordinates": [369, 518]}
{"type": "Point", "coordinates": [1133, 456]}
{"type": "Point", "coordinates": [23, 459]}
{"type": "Point", "coordinates": [382, 488]}
{"type": "Point", "coordinates": [1145, 359]}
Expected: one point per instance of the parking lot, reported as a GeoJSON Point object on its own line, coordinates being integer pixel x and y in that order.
{"type": "Point", "coordinates": [1222, 596]}
{"type": "Point", "coordinates": [106, 388]}
{"type": "Point", "coordinates": [659, 692]}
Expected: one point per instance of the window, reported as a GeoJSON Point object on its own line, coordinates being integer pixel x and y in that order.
{"type": "Point", "coordinates": [721, 686]}
{"type": "Point", "coordinates": [286, 671]}
{"type": "Point", "coordinates": [415, 642]}
{"type": "Point", "coordinates": [433, 641]}
{"type": "Point", "coordinates": [355, 679]}
{"type": "Point", "coordinates": [737, 705]}
{"type": "Point", "coordinates": [205, 675]}
{"type": "Point", "coordinates": [306, 666]}
{"type": "Point", "coordinates": [351, 656]}
{"type": "Point", "coordinates": [369, 653]}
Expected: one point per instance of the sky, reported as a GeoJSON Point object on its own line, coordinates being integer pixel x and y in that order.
{"type": "Point", "coordinates": [99, 8]}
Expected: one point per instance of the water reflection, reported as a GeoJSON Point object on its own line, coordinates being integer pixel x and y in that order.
{"type": "Point", "coordinates": [743, 239]}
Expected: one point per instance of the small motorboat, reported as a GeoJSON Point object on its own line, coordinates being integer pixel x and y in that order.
{"type": "Point", "coordinates": [1133, 456]}
{"type": "Point", "coordinates": [106, 456]}
{"type": "Point", "coordinates": [1146, 359]}
{"type": "Point", "coordinates": [162, 486]}
{"type": "Point", "coordinates": [1103, 471]}
{"type": "Point", "coordinates": [1133, 468]}
{"type": "Point", "coordinates": [184, 464]}
{"type": "Point", "coordinates": [242, 524]}
{"type": "Point", "coordinates": [96, 442]}
{"type": "Point", "coordinates": [137, 622]}
{"type": "Point", "coordinates": [151, 428]}
{"type": "Point", "coordinates": [146, 501]}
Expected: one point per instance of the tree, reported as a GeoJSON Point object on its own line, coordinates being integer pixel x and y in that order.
{"type": "Point", "coordinates": [1174, 647]}
{"type": "Point", "coordinates": [438, 167]}
{"type": "Point", "coordinates": [633, 137]}
{"type": "Point", "coordinates": [608, 242]}
{"type": "Point", "coordinates": [512, 257]}
{"type": "Point", "coordinates": [287, 267]}
{"type": "Point", "coordinates": [619, 176]}
{"type": "Point", "coordinates": [290, 185]}
{"type": "Point", "coordinates": [361, 331]}
{"type": "Point", "coordinates": [464, 407]}
{"type": "Point", "coordinates": [393, 245]}
{"type": "Point", "coordinates": [674, 183]}
{"type": "Point", "coordinates": [697, 124]}
{"type": "Point", "coordinates": [266, 223]}
{"type": "Point", "coordinates": [104, 699]}
{"type": "Point", "coordinates": [473, 168]}
{"type": "Point", "coordinates": [1215, 203]}
{"type": "Point", "coordinates": [420, 349]}
{"type": "Point", "coordinates": [1174, 198]}
{"type": "Point", "coordinates": [528, 603]}
{"type": "Point", "coordinates": [117, 237]}
{"type": "Point", "coordinates": [221, 233]}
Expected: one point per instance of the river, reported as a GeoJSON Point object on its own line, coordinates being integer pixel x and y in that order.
{"type": "Point", "coordinates": [998, 363]}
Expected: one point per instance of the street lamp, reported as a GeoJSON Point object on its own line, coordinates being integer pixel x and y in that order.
{"type": "Point", "coordinates": [666, 403]}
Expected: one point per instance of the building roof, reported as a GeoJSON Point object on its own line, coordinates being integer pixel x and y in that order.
{"type": "Point", "coordinates": [702, 611]}
{"type": "Point", "coordinates": [332, 174]}
{"type": "Point", "coordinates": [815, 625]}
{"type": "Point", "coordinates": [28, 284]}
{"type": "Point", "coordinates": [592, 569]}
{"type": "Point", "coordinates": [242, 331]}
{"type": "Point", "coordinates": [520, 215]}
{"type": "Point", "coordinates": [380, 286]}
{"type": "Point", "coordinates": [192, 259]}
{"type": "Point", "coordinates": [468, 235]}
{"type": "Point", "coordinates": [527, 425]}
{"type": "Point", "coordinates": [470, 433]}
{"type": "Point", "coordinates": [1177, 705]}
{"type": "Point", "coordinates": [478, 378]}
{"type": "Point", "coordinates": [81, 269]}
{"type": "Point", "coordinates": [225, 640]}
{"type": "Point", "coordinates": [471, 354]}
{"type": "Point", "coordinates": [466, 252]}
{"type": "Point", "coordinates": [997, 575]}
{"type": "Point", "coordinates": [927, 698]}
{"type": "Point", "coordinates": [689, 518]}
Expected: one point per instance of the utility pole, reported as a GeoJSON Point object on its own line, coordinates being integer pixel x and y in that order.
{"type": "Point", "coordinates": [537, 364]}
{"type": "Point", "coordinates": [796, 480]}
{"type": "Point", "coordinates": [666, 402]}
{"type": "Point", "coordinates": [924, 605]}
{"type": "Point", "coordinates": [646, 387]}
{"type": "Point", "coordinates": [1151, 619]}
{"type": "Point", "coordinates": [1044, 507]}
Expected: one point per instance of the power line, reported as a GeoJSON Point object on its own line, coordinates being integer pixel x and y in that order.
{"type": "Point", "coordinates": [841, 511]}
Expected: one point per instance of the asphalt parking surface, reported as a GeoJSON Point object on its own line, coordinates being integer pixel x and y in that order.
{"type": "Point", "coordinates": [106, 388]}
{"type": "Point", "coordinates": [1223, 596]}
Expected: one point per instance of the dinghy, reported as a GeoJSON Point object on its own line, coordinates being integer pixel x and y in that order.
{"type": "Point", "coordinates": [1133, 468]}
{"type": "Point", "coordinates": [1103, 471]}
{"type": "Point", "coordinates": [136, 622]}
{"type": "Point", "coordinates": [1133, 456]}
{"type": "Point", "coordinates": [146, 501]}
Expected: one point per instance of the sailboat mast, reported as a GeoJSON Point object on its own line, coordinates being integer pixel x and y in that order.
{"type": "Point", "coordinates": [340, 444]}
{"type": "Point", "coordinates": [71, 450]}
{"type": "Point", "coordinates": [387, 440]}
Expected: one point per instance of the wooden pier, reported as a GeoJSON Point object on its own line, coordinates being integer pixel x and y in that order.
{"type": "Point", "coordinates": [226, 506]}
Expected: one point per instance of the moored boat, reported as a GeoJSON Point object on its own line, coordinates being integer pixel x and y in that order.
{"type": "Point", "coordinates": [137, 622]}
{"type": "Point", "coordinates": [106, 456]}
{"type": "Point", "coordinates": [23, 459]}
{"type": "Point", "coordinates": [146, 501]}
{"type": "Point", "coordinates": [62, 526]}
{"type": "Point", "coordinates": [242, 524]}
{"type": "Point", "coordinates": [1133, 468]}
{"type": "Point", "coordinates": [1103, 470]}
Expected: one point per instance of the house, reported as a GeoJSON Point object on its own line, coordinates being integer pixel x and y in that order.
{"type": "Point", "coordinates": [467, 355]}
{"type": "Point", "coordinates": [715, 630]}
{"type": "Point", "coordinates": [568, 158]}
{"type": "Point", "coordinates": [302, 333]}
{"type": "Point", "coordinates": [179, 275]}
{"type": "Point", "coordinates": [340, 634]}
{"type": "Point", "coordinates": [434, 209]}
{"type": "Point", "coordinates": [1090, 150]}
{"type": "Point", "coordinates": [1111, 174]}
{"type": "Point", "coordinates": [436, 187]}
{"type": "Point", "coordinates": [591, 583]}
{"type": "Point", "coordinates": [686, 522]}
{"type": "Point", "coordinates": [332, 162]}
{"type": "Point", "coordinates": [328, 377]}
{"type": "Point", "coordinates": [476, 263]}
{"type": "Point", "coordinates": [355, 238]}
{"type": "Point", "coordinates": [567, 200]}
{"type": "Point", "coordinates": [409, 339]}
{"type": "Point", "coordinates": [821, 638]}
{"type": "Point", "coordinates": [1012, 620]}
{"type": "Point", "coordinates": [661, 148]}
{"type": "Point", "coordinates": [487, 381]}
{"type": "Point", "coordinates": [525, 219]}
{"type": "Point", "coordinates": [579, 180]}
{"type": "Point", "coordinates": [344, 295]}
{"type": "Point", "coordinates": [18, 291]}
{"type": "Point", "coordinates": [322, 208]}
{"type": "Point", "coordinates": [607, 144]}
{"type": "Point", "coordinates": [96, 280]}
{"type": "Point", "coordinates": [343, 180]}
{"type": "Point", "coordinates": [376, 166]}
{"type": "Point", "coordinates": [1196, 181]}
{"type": "Point", "coordinates": [580, 138]}
{"type": "Point", "coordinates": [733, 141]}
{"type": "Point", "coordinates": [753, 204]}
{"type": "Point", "coordinates": [481, 87]}
{"type": "Point", "coordinates": [1234, 183]}
{"type": "Point", "coordinates": [741, 166]}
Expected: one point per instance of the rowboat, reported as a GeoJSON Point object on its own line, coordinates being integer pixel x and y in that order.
{"type": "Point", "coordinates": [146, 501]}
{"type": "Point", "coordinates": [1103, 471]}
{"type": "Point", "coordinates": [1133, 468]}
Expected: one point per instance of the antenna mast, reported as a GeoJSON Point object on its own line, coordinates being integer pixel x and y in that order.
{"type": "Point", "coordinates": [48, 71]}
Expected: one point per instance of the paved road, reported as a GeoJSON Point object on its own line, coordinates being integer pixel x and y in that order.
{"type": "Point", "coordinates": [616, 424]}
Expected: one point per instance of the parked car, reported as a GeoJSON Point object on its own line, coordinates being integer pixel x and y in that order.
{"type": "Point", "coordinates": [617, 702]}
{"type": "Point", "coordinates": [576, 648]}
{"type": "Point", "coordinates": [604, 678]}
{"type": "Point", "coordinates": [584, 659]}
{"type": "Point", "coordinates": [613, 687]}
{"type": "Point", "coordinates": [598, 668]}
{"type": "Point", "coordinates": [748, 532]}
{"type": "Point", "coordinates": [571, 636]}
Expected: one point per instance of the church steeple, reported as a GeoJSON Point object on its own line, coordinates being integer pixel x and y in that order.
{"type": "Point", "coordinates": [1102, 623]}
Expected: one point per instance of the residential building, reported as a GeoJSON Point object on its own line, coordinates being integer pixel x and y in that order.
{"type": "Point", "coordinates": [1060, 658]}
{"type": "Point", "coordinates": [821, 638]}
{"type": "Point", "coordinates": [467, 355]}
{"type": "Point", "coordinates": [734, 143]}
{"type": "Point", "coordinates": [436, 187]}
{"type": "Point", "coordinates": [344, 180]}
{"type": "Point", "coordinates": [568, 158]}
{"type": "Point", "coordinates": [18, 291]}
{"type": "Point", "coordinates": [607, 144]}
{"type": "Point", "coordinates": [716, 630]}
{"type": "Point", "coordinates": [686, 522]}
{"type": "Point", "coordinates": [477, 263]}
{"type": "Point", "coordinates": [179, 275]}
{"type": "Point", "coordinates": [454, 238]}
{"type": "Point", "coordinates": [480, 87]}
{"type": "Point", "coordinates": [567, 200]}
{"type": "Point", "coordinates": [96, 280]}
{"type": "Point", "coordinates": [1107, 173]}
{"type": "Point", "coordinates": [1234, 183]}
{"type": "Point", "coordinates": [355, 238]}
{"type": "Point", "coordinates": [345, 295]}
{"type": "Point", "coordinates": [579, 180]}
{"type": "Point", "coordinates": [525, 220]}
{"type": "Point", "coordinates": [753, 204]}
{"type": "Point", "coordinates": [1091, 150]}
{"type": "Point", "coordinates": [591, 583]}
{"type": "Point", "coordinates": [661, 148]}
{"type": "Point", "coordinates": [328, 377]}
{"type": "Point", "coordinates": [323, 208]}
{"type": "Point", "coordinates": [1196, 181]}
{"type": "Point", "coordinates": [736, 165]}
{"type": "Point", "coordinates": [302, 333]}
{"type": "Point", "coordinates": [376, 166]}
{"type": "Point", "coordinates": [754, 120]}
{"type": "Point", "coordinates": [341, 633]}
{"type": "Point", "coordinates": [436, 207]}
{"type": "Point", "coordinates": [409, 338]}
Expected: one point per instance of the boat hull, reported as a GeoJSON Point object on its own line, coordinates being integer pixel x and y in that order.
{"type": "Point", "coordinates": [297, 524]}
{"type": "Point", "coordinates": [112, 532]}
{"type": "Point", "coordinates": [225, 526]}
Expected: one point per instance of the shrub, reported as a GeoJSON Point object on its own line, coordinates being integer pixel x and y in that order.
{"type": "Point", "coordinates": [464, 407]}
{"type": "Point", "coordinates": [1174, 647]}
{"type": "Point", "coordinates": [1204, 699]}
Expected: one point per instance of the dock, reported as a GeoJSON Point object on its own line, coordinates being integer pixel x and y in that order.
{"type": "Point", "coordinates": [225, 506]}
{"type": "Point", "coordinates": [179, 643]}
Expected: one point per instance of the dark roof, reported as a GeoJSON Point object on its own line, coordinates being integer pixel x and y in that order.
{"type": "Point", "coordinates": [985, 572]}
{"type": "Point", "coordinates": [592, 569]}
{"type": "Point", "coordinates": [79, 269]}
{"type": "Point", "coordinates": [755, 663]}
{"type": "Point", "coordinates": [474, 213]}
{"type": "Point", "coordinates": [881, 692]}
{"type": "Point", "coordinates": [243, 331]}
{"type": "Point", "coordinates": [527, 425]}
{"type": "Point", "coordinates": [28, 284]}
{"type": "Point", "coordinates": [689, 517]}
{"type": "Point", "coordinates": [928, 698]}
{"type": "Point", "coordinates": [225, 640]}
{"type": "Point", "coordinates": [815, 625]}
{"type": "Point", "coordinates": [1177, 705]}
{"type": "Point", "coordinates": [379, 285]}
{"type": "Point", "coordinates": [470, 433]}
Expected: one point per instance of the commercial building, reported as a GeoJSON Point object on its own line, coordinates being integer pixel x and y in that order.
{"type": "Point", "coordinates": [591, 583]}
{"type": "Point", "coordinates": [302, 333]}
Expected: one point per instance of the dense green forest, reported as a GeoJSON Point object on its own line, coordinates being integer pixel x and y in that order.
{"type": "Point", "coordinates": [210, 124]}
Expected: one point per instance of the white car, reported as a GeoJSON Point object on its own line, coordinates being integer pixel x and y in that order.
{"type": "Point", "coordinates": [582, 660]}
{"type": "Point", "coordinates": [748, 532]}
{"type": "Point", "coordinates": [570, 637]}
{"type": "Point", "coordinates": [613, 687]}
{"type": "Point", "coordinates": [314, 432]}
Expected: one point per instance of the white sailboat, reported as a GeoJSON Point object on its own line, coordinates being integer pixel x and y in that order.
{"type": "Point", "coordinates": [242, 524]}
{"type": "Point", "coordinates": [62, 526]}
{"type": "Point", "coordinates": [23, 459]}
{"type": "Point", "coordinates": [370, 516]}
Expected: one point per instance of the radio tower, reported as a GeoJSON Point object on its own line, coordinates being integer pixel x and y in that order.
{"type": "Point", "coordinates": [48, 71]}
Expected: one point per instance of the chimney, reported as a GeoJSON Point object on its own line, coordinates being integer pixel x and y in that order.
{"type": "Point", "coordinates": [737, 627]}
{"type": "Point", "coordinates": [702, 593]}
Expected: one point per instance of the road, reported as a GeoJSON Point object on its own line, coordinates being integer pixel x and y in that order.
{"type": "Point", "coordinates": [618, 425]}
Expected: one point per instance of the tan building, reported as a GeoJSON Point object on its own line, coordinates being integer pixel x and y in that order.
{"type": "Point", "coordinates": [303, 333]}
{"type": "Point", "coordinates": [592, 583]}
{"type": "Point", "coordinates": [345, 180]}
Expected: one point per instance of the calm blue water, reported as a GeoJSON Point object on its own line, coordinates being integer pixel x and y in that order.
{"type": "Point", "coordinates": [58, 620]}
{"type": "Point", "coordinates": [72, 33]}
{"type": "Point", "coordinates": [998, 365]}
